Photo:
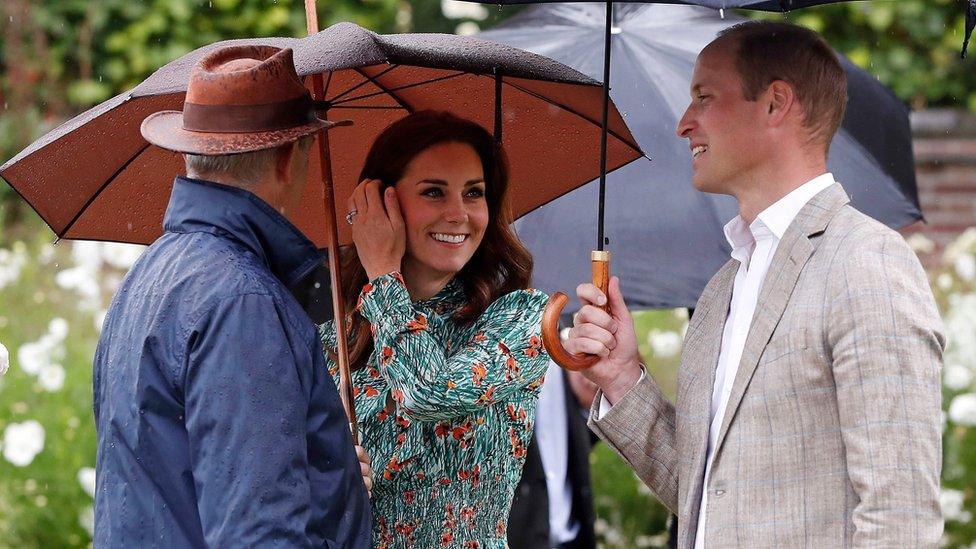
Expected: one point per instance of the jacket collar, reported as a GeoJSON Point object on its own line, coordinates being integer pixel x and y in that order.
{"type": "Point", "coordinates": [205, 206]}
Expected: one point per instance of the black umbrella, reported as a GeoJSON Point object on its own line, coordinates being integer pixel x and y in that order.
{"type": "Point", "coordinates": [600, 258]}
{"type": "Point", "coordinates": [667, 235]}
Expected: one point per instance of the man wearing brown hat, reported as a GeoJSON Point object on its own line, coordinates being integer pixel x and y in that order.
{"type": "Point", "coordinates": [218, 422]}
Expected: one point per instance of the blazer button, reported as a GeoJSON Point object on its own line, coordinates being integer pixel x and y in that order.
{"type": "Point", "coordinates": [718, 493]}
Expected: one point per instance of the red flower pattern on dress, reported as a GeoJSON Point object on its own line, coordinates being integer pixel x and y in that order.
{"type": "Point", "coordinates": [479, 373]}
{"type": "Point", "coordinates": [363, 294]}
{"type": "Point", "coordinates": [394, 467]}
{"type": "Point", "coordinates": [418, 324]}
{"type": "Point", "coordinates": [487, 398]}
{"type": "Point", "coordinates": [515, 413]}
{"type": "Point", "coordinates": [386, 356]}
{"type": "Point", "coordinates": [518, 447]}
{"type": "Point", "coordinates": [535, 344]}
{"type": "Point", "coordinates": [463, 434]}
{"type": "Point", "coordinates": [406, 532]}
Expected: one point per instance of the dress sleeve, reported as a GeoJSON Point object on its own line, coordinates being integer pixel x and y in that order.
{"type": "Point", "coordinates": [431, 383]}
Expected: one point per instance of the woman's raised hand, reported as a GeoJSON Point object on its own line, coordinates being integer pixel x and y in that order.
{"type": "Point", "coordinates": [377, 228]}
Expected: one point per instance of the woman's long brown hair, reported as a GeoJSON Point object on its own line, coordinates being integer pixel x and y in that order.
{"type": "Point", "coordinates": [500, 265]}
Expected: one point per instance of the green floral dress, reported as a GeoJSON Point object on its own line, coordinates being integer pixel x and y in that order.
{"type": "Point", "coordinates": [446, 412]}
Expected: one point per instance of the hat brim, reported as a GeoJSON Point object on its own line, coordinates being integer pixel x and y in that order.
{"type": "Point", "coordinates": [165, 129]}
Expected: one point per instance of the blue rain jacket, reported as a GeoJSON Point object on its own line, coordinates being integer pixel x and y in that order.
{"type": "Point", "coordinates": [218, 422]}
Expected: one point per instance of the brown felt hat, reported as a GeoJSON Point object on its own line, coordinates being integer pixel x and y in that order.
{"type": "Point", "coordinates": [239, 99]}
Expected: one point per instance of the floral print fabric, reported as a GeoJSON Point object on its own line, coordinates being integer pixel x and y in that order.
{"type": "Point", "coordinates": [446, 412]}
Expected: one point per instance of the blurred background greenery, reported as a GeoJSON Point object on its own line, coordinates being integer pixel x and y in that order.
{"type": "Point", "coordinates": [59, 57]}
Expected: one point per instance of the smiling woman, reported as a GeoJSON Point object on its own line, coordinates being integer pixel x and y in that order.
{"type": "Point", "coordinates": [445, 338]}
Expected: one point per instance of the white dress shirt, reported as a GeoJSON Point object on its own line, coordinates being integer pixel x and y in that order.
{"type": "Point", "coordinates": [753, 246]}
{"type": "Point", "coordinates": [552, 434]}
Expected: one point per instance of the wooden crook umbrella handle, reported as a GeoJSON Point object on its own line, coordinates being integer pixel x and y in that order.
{"type": "Point", "coordinates": [600, 263]}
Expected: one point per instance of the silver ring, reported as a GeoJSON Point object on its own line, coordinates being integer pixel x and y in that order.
{"type": "Point", "coordinates": [351, 215]}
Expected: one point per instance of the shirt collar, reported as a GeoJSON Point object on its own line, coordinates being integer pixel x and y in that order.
{"type": "Point", "coordinates": [203, 206]}
{"type": "Point", "coordinates": [775, 219]}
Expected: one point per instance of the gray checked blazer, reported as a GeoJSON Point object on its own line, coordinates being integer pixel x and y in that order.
{"type": "Point", "coordinates": [832, 435]}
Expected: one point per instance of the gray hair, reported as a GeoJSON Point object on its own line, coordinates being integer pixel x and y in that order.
{"type": "Point", "coordinates": [245, 168]}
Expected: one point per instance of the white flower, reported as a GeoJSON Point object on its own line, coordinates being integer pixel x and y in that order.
{"type": "Point", "coordinates": [944, 281]}
{"type": "Point", "coordinates": [920, 243]}
{"type": "Point", "coordinates": [58, 327]}
{"type": "Point", "coordinates": [4, 359]}
{"type": "Point", "coordinates": [957, 378]}
{"type": "Point", "coordinates": [46, 254]}
{"type": "Point", "coordinates": [664, 343]}
{"type": "Point", "coordinates": [965, 266]}
{"type": "Point", "coordinates": [12, 263]}
{"type": "Point", "coordinates": [86, 477]}
{"type": "Point", "coordinates": [87, 254]}
{"type": "Point", "coordinates": [22, 442]}
{"type": "Point", "coordinates": [99, 319]}
{"type": "Point", "coordinates": [51, 377]}
{"type": "Point", "coordinates": [964, 243]}
{"type": "Point", "coordinates": [121, 256]}
{"type": "Point", "coordinates": [951, 502]}
{"type": "Point", "coordinates": [83, 281]}
{"type": "Point", "coordinates": [33, 357]}
{"type": "Point", "coordinates": [962, 411]}
{"type": "Point", "coordinates": [467, 28]}
{"type": "Point", "coordinates": [455, 9]}
{"type": "Point", "coordinates": [960, 330]}
{"type": "Point", "coordinates": [87, 520]}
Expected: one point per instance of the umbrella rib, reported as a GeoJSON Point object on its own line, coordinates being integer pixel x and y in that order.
{"type": "Point", "coordinates": [104, 186]}
{"type": "Point", "coordinates": [328, 82]}
{"type": "Point", "coordinates": [369, 107]}
{"type": "Point", "coordinates": [387, 91]}
{"type": "Point", "coordinates": [390, 91]}
{"type": "Point", "coordinates": [577, 113]}
{"type": "Point", "coordinates": [361, 84]}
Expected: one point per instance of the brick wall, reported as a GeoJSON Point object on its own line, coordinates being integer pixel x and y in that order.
{"type": "Point", "coordinates": [945, 162]}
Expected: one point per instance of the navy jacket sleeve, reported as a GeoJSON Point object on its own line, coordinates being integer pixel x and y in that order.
{"type": "Point", "coordinates": [247, 391]}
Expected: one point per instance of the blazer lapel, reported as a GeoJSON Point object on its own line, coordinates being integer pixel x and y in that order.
{"type": "Point", "coordinates": [791, 255]}
{"type": "Point", "coordinates": [701, 357]}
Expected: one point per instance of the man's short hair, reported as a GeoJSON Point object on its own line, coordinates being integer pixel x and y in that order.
{"type": "Point", "coordinates": [246, 168]}
{"type": "Point", "coordinates": [768, 51]}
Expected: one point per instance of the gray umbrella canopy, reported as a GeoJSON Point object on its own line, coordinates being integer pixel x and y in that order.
{"type": "Point", "coordinates": [666, 236]}
{"type": "Point", "coordinates": [95, 177]}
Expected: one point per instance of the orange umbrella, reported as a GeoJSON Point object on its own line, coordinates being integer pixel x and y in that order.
{"type": "Point", "coordinates": [95, 177]}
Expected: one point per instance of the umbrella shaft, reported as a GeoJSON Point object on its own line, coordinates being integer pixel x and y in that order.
{"type": "Point", "coordinates": [335, 266]}
{"type": "Point", "coordinates": [601, 240]}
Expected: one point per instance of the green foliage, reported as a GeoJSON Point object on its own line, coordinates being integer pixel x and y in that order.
{"type": "Point", "coordinates": [911, 46]}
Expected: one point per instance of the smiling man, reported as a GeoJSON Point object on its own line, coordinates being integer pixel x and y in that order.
{"type": "Point", "coordinates": [808, 401]}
